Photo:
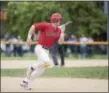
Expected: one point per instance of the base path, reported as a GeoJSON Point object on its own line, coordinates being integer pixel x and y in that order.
{"type": "Point", "coordinates": [11, 84]}
{"type": "Point", "coordinates": [68, 63]}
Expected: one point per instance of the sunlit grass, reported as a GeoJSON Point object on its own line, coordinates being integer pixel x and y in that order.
{"type": "Point", "coordinates": [75, 72]}
{"type": "Point", "coordinates": [32, 56]}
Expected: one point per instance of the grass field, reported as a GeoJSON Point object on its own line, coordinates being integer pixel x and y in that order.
{"type": "Point", "coordinates": [83, 75]}
{"type": "Point", "coordinates": [33, 57]}
{"type": "Point", "coordinates": [75, 72]}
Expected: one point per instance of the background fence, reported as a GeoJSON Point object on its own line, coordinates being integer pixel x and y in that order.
{"type": "Point", "coordinates": [70, 48]}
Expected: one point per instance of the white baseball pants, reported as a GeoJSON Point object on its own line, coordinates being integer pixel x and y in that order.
{"type": "Point", "coordinates": [39, 67]}
{"type": "Point", "coordinates": [43, 56]}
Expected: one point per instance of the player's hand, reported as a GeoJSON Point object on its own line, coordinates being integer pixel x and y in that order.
{"type": "Point", "coordinates": [29, 42]}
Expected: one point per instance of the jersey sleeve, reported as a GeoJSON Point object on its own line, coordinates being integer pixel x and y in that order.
{"type": "Point", "coordinates": [40, 26]}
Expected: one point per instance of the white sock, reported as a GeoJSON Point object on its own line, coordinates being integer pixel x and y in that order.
{"type": "Point", "coordinates": [27, 80]}
{"type": "Point", "coordinates": [28, 74]}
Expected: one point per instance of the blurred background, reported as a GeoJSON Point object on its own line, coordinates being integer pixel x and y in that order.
{"type": "Point", "coordinates": [90, 25]}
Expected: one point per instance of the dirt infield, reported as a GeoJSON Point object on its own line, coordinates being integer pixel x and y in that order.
{"type": "Point", "coordinates": [68, 63]}
{"type": "Point", "coordinates": [9, 84]}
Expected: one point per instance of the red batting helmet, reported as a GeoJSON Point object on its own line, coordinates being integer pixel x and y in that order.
{"type": "Point", "coordinates": [56, 16]}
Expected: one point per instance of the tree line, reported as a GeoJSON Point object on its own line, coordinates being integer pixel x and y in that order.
{"type": "Point", "coordinates": [87, 16]}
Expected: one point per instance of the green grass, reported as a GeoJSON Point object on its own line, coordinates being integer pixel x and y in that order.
{"type": "Point", "coordinates": [75, 72]}
{"type": "Point", "coordinates": [96, 56]}
{"type": "Point", "coordinates": [25, 57]}
{"type": "Point", "coordinates": [19, 58]}
{"type": "Point", "coordinates": [34, 57]}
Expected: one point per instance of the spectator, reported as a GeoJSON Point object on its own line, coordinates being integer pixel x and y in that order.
{"type": "Point", "coordinates": [15, 48]}
{"type": "Point", "coordinates": [90, 47]}
{"type": "Point", "coordinates": [103, 49]}
{"type": "Point", "coordinates": [72, 48]}
{"type": "Point", "coordinates": [19, 46]}
{"type": "Point", "coordinates": [8, 45]}
{"type": "Point", "coordinates": [83, 46]}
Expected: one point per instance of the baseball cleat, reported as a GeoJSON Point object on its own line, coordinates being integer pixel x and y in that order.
{"type": "Point", "coordinates": [24, 84]}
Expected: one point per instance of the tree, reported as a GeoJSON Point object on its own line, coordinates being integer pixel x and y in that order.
{"type": "Point", "coordinates": [87, 18]}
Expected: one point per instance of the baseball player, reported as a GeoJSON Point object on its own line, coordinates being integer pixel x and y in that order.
{"type": "Point", "coordinates": [58, 48]}
{"type": "Point", "coordinates": [49, 34]}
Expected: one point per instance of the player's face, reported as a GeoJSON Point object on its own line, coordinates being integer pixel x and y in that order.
{"type": "Point", "coordinates": [56, 22]}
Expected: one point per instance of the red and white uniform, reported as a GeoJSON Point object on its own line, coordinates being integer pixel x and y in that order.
{"type": "Point", "coordinates": [48, 36]}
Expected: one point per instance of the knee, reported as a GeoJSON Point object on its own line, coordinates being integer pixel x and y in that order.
{"type": "Point", "coordinates": [31, 67]}
{"type": "Point", "coordinates": [45, 65]}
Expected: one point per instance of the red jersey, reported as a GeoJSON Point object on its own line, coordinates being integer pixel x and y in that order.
{"type": "Point", "coordinates": [48, 34]}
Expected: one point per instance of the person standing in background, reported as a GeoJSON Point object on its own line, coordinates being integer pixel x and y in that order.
{"type": "Point", "coordinates": [83, 46]}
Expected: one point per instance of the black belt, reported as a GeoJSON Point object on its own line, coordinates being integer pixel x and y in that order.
{"type": "Point", "coordinates": [45, 47]}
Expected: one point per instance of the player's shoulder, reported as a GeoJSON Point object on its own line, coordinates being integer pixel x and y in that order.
{"type": "Point", "coordinates": [46, 23]}
{"type": "Point", "coordinates": [42, 23]}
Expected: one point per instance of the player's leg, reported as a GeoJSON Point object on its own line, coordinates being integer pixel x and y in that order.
{"type": "Point", "coordinates": [38, 68]}
{"type": "Point", "coordinates": [43, 56]}
{"type": "Point", "coordinates": [29, 71]}
{"type": "Point", "coordinates": [54, 53]}
{"type": "Point", "coordinates": [26, 81]}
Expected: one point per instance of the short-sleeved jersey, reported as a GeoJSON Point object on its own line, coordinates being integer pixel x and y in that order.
{"type": "Point", "coordinates": [48, 34]}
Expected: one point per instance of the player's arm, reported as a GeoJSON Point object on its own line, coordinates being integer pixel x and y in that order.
{"type": "Point", "coordinates": [30, 33]}
{"type": "Point", "coordinates": [33, 28]}
{"type": "Point", "coordinates": [61, 38]}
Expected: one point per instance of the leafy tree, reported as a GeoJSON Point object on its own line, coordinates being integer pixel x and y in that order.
{"type": "Point", "coordinates": [87, 17]}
